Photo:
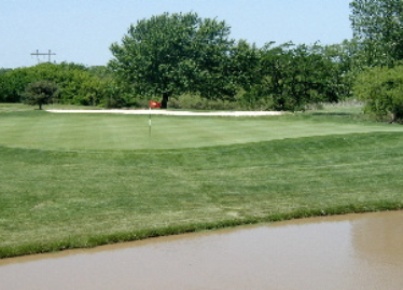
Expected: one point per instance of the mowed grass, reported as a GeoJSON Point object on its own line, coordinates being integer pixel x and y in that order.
{"type": "Point", "coordinates": [59, 189]}
{"type": "Point", "coordinates": [77, 132]}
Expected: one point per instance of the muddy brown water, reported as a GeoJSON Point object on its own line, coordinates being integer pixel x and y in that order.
{"type": "Point", "coordinates": [345, 252]}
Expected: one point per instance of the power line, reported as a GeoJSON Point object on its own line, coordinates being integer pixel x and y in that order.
{"type": "Point", "coordinates": [49, 54]}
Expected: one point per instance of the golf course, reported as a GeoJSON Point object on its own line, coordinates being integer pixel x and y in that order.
{"type": "Point", "coordinates": [83, 180]}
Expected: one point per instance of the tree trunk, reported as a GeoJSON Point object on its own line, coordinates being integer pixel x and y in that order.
{"type": "Point", "coordinates": [164, 102]}
{"type": "Point", "coordinates": [393, 118]}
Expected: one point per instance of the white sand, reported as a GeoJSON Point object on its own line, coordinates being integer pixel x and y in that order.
{"type": "Point", "coordinates": [173, 113]}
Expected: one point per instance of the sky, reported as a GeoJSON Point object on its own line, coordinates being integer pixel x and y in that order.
{"type": "Point", "coordinates": [81, 31]}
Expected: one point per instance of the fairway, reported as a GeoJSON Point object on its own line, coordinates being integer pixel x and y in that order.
{"type": "Point", "coordinates": [79, 180]}
{"type": "Point", "coordinates": [76, 132]}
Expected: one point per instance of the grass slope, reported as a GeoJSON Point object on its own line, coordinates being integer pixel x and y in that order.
{"type": "Point", "coordinates": [52, 199]}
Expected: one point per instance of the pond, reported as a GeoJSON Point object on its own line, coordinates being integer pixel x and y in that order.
{"type": "Point", "coordinates": [362, 251]}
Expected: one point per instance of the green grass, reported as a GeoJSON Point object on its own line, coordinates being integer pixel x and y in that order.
{"type": "Point", "coordinates": [77, 132]}
{"type": "Point", "coordinates": [70, 181]}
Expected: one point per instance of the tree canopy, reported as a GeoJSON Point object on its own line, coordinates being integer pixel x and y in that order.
{"type": "Point", "coordinates": [171, 54]}
{"type": "Point", "coordinates": [292, 76]}
{"type": "Point", "coordinates": [378, 24]}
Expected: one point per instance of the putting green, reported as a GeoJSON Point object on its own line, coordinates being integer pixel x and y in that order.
{"type": "Point", "coordinates": [42, 130]}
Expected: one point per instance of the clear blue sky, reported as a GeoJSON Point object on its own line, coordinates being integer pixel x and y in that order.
{"type": "Point", "coordinates": [81, 31]}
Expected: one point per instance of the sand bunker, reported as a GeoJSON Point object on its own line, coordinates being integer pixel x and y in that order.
{"type": "Point", "coordinates": [174, 113]}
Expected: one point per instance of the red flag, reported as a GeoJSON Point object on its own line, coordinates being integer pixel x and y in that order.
{"type": "Point", "coordinates": [154, 104]}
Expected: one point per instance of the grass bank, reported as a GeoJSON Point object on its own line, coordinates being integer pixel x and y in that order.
{"type": "Point", "coordinates": [53, 197]}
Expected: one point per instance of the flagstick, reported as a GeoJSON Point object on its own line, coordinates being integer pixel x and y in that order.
{"type": "Point", "coordinates": [149, 123]}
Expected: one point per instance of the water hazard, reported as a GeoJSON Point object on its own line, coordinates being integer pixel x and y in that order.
{"type": "Point", "coordinates": [346, 252]}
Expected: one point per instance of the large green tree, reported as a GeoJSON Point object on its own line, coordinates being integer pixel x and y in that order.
{"type": "Point", "coordinates": [172, 54]}
{"type": "Point", "coordinates": [378, 25]}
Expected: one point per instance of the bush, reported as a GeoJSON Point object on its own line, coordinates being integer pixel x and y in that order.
{"type": "Point", "coordinates": [77, 84]}
{"type": "Point", "coordinates": [381, 89]}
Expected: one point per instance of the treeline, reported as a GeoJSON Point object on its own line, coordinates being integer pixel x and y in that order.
{"type": "Point", "coordinates": [284, 77]}
{"type": "Point", "coordinates": [179, 57]}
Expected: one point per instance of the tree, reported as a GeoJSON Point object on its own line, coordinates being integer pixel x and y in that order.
{"type": "Point", "coordinates": [40, 93]}
{"type": "Point", "coordinates": [349, 61]}
{"type": "Point", "coordinates": [172, 54]}
{"type": "Point", "coordinates": [292, 77]}
{"type": "Point", "coordinates": [245, 64]}
{"type": "Point", "coordinates": [378, 24]}
{"type": "Point", "coordinates": [382, 90]}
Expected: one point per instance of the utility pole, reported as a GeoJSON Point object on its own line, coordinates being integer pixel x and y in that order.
{"type": "Point", "coordinates": [49, 54]}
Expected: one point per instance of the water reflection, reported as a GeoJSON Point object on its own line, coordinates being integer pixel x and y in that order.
{"type": "Point", "coordinates": [351, 252]}
{"type": "Point", "coordinates": [379, 240]}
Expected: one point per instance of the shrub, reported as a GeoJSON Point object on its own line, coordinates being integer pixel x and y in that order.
{"type": "Point", "coordinates": [381, 89]}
